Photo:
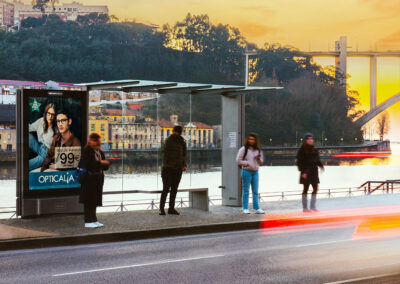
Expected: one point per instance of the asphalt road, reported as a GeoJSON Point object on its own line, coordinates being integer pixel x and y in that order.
{"type": "Point", "coordinates": [316, 256]}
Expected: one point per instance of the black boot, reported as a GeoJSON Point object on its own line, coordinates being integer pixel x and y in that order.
{"type": "Point", "coordinates": [305, 203]}
{"type": "Point", "coordinates": [162, 212]}
{"type": "Point", "coordinates": [313, 202]}
{"type": "Point", "coordinates": [162, 202]}
{"type": "Point", "coordinates": [172, 211]}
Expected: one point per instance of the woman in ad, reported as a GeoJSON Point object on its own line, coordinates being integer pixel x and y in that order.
{"type": "Point", "coordinates": [45, 130]}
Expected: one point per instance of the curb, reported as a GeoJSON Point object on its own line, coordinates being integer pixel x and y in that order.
{"type": "Point", "coordinates": [46, 242]}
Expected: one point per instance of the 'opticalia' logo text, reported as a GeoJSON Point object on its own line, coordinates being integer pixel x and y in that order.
{"type": "Point", "coordinates": [56, 179]}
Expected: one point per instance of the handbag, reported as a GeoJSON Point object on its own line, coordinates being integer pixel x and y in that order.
{"type": "Point", "coordinates": [79, 173]}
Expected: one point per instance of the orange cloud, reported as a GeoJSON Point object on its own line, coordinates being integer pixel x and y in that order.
{"type": "Point", "coordinates": [252, 30]}
{"type": "Point", "coordinates": [390, 42]}
{"type": "Point", "coordinates": [391, 6]}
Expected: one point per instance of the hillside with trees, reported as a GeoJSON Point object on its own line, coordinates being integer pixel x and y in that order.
{"type": "Point", "coordinates": [94, 48]}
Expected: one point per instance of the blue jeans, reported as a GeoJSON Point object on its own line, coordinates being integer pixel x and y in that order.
{"type": "Point", "coordinates": [249, 178]}
{"type": "Point", "coordinates": [40, 150]}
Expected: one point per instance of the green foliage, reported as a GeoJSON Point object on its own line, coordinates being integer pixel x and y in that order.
{"type": "Point", "coordinates": [193, 50]}
{"type": "Point", "coordinates": [40, 4]}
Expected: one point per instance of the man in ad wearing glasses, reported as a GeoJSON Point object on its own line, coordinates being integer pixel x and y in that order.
{"type": "Point", "coordinates": [65, 148]}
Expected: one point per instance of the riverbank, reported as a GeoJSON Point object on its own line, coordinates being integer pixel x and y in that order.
{"type": "Point", "coordinates": [202, 155]}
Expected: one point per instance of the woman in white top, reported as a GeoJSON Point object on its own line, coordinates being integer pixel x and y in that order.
{"type": "Point", "coordinates": [250, 158]}
{"type": "Point", "coordinates": [45, 131]}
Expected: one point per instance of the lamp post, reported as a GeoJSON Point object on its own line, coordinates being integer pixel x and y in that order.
{"type": "Point", "coordinates": [247, 53]}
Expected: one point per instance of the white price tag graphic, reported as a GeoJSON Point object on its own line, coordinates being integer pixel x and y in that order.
{"type": "Point", "coordinates": [67, 157]}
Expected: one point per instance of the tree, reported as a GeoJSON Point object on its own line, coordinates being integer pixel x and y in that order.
{"type": "Point", "coordinates": [31, 22]}
{"type": "Point", "coordinates": [94, 49]}
{"type": "Point", "coordinates": [53, 4]}
{"type": "Point", "coordinates": [93, 19]}
{"type": "Point", "coordinates": [40, 5]}
{"type": "Point", "coordinates": [383, 125]}
{"type": "Point", "coordinates": [114, 19]}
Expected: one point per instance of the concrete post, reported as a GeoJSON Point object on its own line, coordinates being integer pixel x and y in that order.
{"type": "Point", "coordinates": [373, 82]}
{"type": "Point", "coordinates": [233, 124]}
{"type": "Point", "coordinates": [341, 60]}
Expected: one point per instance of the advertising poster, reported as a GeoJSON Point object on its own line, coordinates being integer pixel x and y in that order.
{"type": "Point", "coordinates": [55, 137]}
{"type": "Point", "coordinates": [54, 132]}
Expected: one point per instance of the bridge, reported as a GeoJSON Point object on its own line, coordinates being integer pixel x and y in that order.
{"type": "Point", "coordinates": [341, 53]}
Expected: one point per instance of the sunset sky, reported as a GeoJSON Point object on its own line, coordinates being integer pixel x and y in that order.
{"type": "Point", "coordinates": [306, 25]}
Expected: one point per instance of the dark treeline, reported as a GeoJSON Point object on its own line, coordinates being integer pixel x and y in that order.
{"type": "Point", "coordinates": [193, 50]}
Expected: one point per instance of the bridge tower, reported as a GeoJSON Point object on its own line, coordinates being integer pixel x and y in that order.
{"type": "Point", "coordinates": [341, 58]}
{"type": "Point", "coordinates": [372, 81]}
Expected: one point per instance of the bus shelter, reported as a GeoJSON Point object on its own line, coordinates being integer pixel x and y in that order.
{"type": "Point", "coordinates": [233, 119]}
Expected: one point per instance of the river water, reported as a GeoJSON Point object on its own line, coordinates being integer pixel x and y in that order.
{"type": "Point", "coordinates": [278, 175]}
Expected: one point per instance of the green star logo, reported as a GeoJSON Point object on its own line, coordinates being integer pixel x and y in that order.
{"type": "Point", "coordinates": [35, 105]}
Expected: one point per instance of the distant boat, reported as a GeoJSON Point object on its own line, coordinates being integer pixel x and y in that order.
{"type": "Point", "coordinates": [382, 154]}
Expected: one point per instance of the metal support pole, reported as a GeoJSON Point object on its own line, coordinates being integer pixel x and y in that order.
{"type": "Point", "coordinates": [233, 129]}
{"type": "Point", "coordinates": [373, 82]}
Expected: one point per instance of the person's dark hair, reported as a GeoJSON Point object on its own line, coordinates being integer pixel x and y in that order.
{"type": "Point", "coordinates": [308, 148]}
{"type": "Point", "coordinates": [64, 112]}
{"type": "Point", "coordinates": [45, 124]}
{"type": "Point", "coordinates": [178, 129]}
{"type": "Point", "coordinates": [256, 146]}
{"type": "Point", "coordinates": [95, 136]}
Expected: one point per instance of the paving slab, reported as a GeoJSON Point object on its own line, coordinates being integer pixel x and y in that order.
{"type": "Point", "coordinates": [148, 223]}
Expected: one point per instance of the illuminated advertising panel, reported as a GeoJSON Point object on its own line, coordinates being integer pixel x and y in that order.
{"type": "Point", "coordinates": [54, 130]}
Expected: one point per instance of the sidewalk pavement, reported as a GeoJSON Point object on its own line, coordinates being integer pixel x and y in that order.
{"type": "Point", "coordinates": [64, 230]}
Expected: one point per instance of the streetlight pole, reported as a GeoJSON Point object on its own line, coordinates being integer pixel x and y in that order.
{"type": "Point", "coordinates": [247, 54]}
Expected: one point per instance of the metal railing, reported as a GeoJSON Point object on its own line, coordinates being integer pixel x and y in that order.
{"type": "Point", "coordinates": [387, 186]}
{"type": "Point", "coordinates": [369, 187]}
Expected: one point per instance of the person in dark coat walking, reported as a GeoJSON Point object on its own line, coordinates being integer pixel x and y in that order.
{"type": "Point", "coordinates": [91, 195]}
{"type": "Point", "coordinates": [174, 163]}
{"type": "Point", "coordinates": [308, 162]}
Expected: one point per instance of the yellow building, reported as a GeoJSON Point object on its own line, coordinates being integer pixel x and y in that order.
{"type": "Point", "coordinates": [8, 139]}
{"type": "Point", "coordinates": [100, 126]}
{"type": "Point", "coordinates": [121, 116]}
{"type": "Point", "coordinates": [196, 134]}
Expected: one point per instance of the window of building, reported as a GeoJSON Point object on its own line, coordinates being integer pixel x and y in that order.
{"type": "Point", "coordinates": [9, 147]}
{"type": "Point", "coordinates": [9, 136]}
{"type": "Point", "coordinates": [102, 127]}
{"type": "Point", "coordinates": [92, 127]}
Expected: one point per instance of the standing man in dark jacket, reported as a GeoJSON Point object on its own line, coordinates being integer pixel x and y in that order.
{"type": "Point", "coordinates": [308, 162]}
{"type": "Point", "coordinates": [174, 163]}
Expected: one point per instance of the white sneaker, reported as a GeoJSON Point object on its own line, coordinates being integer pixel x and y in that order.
{"type": "Point", "coordinates": [90, 225]}
{"type": "Point", "coordinates": [260, 211]}
{"type": "Point", "coordinates": [246, 211]}
{"type": "Point", "coordinates": [99, 224]}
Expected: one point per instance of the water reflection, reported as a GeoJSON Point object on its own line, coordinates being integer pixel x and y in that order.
{"type": "Point", "coordinates": [8, 170]}
{"type": "Point", "coordinates": [137, 162]}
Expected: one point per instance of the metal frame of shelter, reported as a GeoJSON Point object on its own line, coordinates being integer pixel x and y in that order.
{"type": "Point", "coordinates": [233, 119]}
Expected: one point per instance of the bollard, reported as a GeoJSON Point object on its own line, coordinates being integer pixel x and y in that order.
{"type": "Point", "coordinates": [152, 205]}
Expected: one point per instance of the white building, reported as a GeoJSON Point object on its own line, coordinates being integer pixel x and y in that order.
{"type": "Point", "coordinates": [66, 11]}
